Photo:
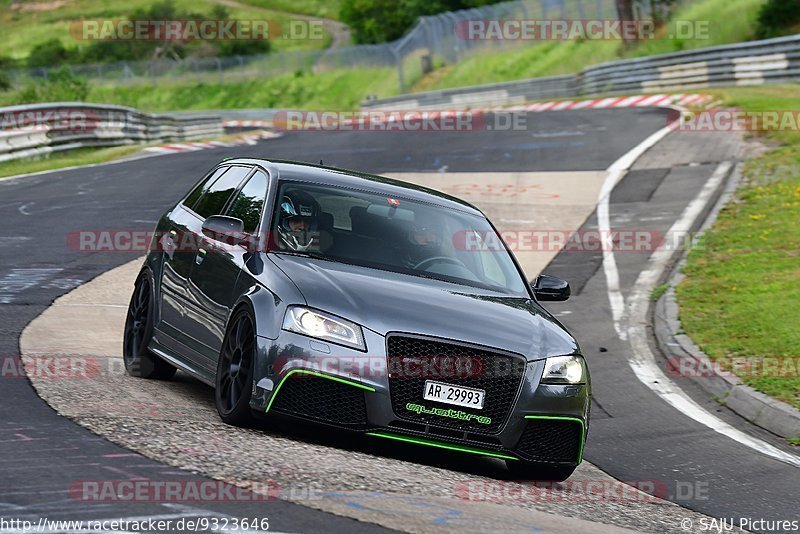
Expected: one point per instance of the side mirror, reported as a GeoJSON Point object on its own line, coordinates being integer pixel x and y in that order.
{"type": "Point", "coordinates": [550, 288]}
{"type": "Point", "coordinates": [226, 229]}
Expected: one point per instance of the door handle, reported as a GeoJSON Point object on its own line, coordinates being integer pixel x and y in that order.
{"type": "Point", "coordinates": [201, 255]}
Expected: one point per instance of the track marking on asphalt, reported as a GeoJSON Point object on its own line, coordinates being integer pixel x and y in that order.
{"type": "Point", "coordinates": [615, 173]}
{"type": "Point", "coordinates": [643, 361]}
{"type": "Point", "coordinates": [19, 280]}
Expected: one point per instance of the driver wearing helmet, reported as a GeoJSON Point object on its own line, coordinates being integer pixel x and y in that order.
{"type": "Point", "coordinates": [425, 243]}
{"type": "Point", "coordinates": [299, 221]}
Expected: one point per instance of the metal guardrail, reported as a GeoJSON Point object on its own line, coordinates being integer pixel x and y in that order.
{"type": "Point", "coordinates": [39, 129]}
{"type": "Point", "coordinates": [751, 63]}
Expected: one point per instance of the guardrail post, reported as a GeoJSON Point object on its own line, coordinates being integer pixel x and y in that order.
{"type": "Point", "coordinates": [399, 62]}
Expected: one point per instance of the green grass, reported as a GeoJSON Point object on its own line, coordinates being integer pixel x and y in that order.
{"type": "Point", "coordinates": [339, 90]}
{"type": "Point", "coordinates": [741, 292]}
{"type": "Point", "coordinates": [729, 21]}
{"type": "Point", "coordinates": [22, 30]}
{"type": "Point", "coordinates": [328, 9]}
{"type": "Point", "coordinates": [58, 160]}
{"type": "Point", "coordinates": [658, 291]}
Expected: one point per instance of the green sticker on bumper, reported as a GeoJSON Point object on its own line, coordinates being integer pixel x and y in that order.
{"type": "Point", "coordinates": [448, 412]}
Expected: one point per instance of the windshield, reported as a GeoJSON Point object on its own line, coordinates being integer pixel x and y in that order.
{"type": "Point", "coordinates": [396, 234]}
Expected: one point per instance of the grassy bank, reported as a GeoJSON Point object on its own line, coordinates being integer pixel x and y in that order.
{"type": "Point", "coordinates": [741, 292]}
{"type": "Point", "coordinates": [27, 24]}
{"type": "Point", "coordinates": [60, 160]}
{"type": "Point", "coordinates": [727, 21]}
{"type": "Point", "coordinates": [340, 89]}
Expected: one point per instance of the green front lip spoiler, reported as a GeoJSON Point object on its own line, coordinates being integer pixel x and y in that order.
{"type": "Point", "coordinates": [440, 445]}
{"type": "Point", "coordinates": [481, 452]}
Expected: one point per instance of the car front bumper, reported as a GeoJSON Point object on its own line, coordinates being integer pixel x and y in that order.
{"type": "Point", "coordinates": [335, 385]}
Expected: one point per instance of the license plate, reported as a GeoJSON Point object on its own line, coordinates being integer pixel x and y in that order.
{"type": "Point", "coordinates": [457, 395]}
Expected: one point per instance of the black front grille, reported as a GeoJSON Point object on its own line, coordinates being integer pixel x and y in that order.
{"type": "Point", "coordinates": [412, 361]}
{"type": "Point", "coordinates": [321, 399]}
{"type": "Point", "coordinates": [551, 440]}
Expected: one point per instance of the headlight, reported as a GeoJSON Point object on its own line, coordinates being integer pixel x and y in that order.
{"type": "Point", "coordinates": [564, 370]}
{"type": "Point", "coordinates": [323, 325]}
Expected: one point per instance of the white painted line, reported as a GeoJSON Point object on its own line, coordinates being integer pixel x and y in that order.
{"type": "Point", "coordinates": [643, 362]}
{"type": "Point", "coordinates": [615, 172]}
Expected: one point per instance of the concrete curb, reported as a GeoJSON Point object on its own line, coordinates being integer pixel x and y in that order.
{"type": "Point", "coordinates": [761, 410]}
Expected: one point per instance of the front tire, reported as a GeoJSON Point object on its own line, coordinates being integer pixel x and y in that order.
{"type": "Point", "coordinates": [528, 471]}
{"type": "Point", "coordinates": [233, 383]}
{"type": "Point", "coordinates": [138, 359]}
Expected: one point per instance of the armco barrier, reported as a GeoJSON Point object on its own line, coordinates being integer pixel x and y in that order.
{"type": "Point", "coordinates": [33, 130]}
{"type": "Point", "coordinates": [751, 63]}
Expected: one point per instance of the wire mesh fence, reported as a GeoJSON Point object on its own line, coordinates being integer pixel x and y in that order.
{"type": "Point", "coordinates": [433, 40]}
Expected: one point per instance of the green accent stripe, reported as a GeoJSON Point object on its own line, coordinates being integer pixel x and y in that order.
{"type": "Point", "coordinates": [566, 418]}
{"type": "Point", "coordinates": [319, 375]}
{"type": "Point", "coordinates": [440, 445]}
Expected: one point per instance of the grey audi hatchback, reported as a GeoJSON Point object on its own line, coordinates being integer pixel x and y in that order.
{"type": "Point", "coordinates": [362, 303]}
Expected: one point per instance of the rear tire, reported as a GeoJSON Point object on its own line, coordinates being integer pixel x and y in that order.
{"type": "Point", "coordinates": [528, 471]}
{"type": "Point", "coordinates": [234, 380]}
{"type": "Point", "coordinates": [138, 359]}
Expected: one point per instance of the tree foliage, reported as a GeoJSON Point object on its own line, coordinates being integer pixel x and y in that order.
{"type": "Point", "coordinates": [778, 17]}
{"type": "Point", "coordinates": [53, 52]}
{"type": "Point", "coordinates": [379, 21]}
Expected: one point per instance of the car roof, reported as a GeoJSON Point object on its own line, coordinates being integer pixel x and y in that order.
{"type": "Point", "coordinates": [296, 171]}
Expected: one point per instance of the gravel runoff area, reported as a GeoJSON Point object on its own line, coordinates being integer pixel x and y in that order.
{"type": "Point", "coordinates": [408, 488]}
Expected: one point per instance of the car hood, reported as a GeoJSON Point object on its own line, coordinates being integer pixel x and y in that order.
{"type": "Point", "coordinates": [386, 302]}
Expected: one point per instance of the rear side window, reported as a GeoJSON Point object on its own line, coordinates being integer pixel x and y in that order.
{"type": "Point", "coordinates": [249, 203]}
{"type": "Point", "coordinates": [201, 188]}
{"type": "Point", "coordinates": [217, 196]}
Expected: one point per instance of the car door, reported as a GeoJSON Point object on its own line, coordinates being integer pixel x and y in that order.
{"type": "Point", "coordinates": [179, 254]}
{"type": "Point", "coordinates": [216, 267]}
{"type": "Point", "coordinates": [186, 317]}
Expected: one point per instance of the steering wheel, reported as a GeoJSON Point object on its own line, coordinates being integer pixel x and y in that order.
{"type": "Point", "coordinates": [446, 259]}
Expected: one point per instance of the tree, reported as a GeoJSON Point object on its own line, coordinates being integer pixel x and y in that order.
{"type": "Point", "coordinates": [379, 21]}
{"type": "Point", "coordinates": [50, 53]}
{"type": "Point", "coordinates": [777, 17]}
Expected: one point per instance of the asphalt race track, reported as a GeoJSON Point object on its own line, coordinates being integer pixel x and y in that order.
{"type": "Point", "coordinates": [634, 434]}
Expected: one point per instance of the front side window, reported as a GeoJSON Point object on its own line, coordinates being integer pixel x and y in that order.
{"type": "Point", "coordinates": [396, 234]}
{"type": "Point", "coordinates": [249, 203]}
